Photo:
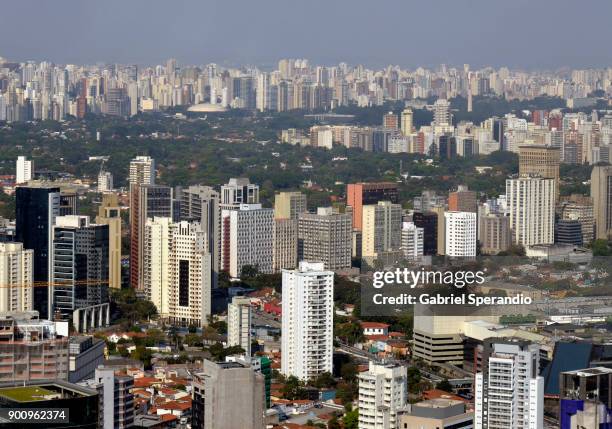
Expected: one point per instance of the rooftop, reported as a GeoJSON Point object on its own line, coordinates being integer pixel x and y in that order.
{"type": "Point", "coordinates": [27, 393]}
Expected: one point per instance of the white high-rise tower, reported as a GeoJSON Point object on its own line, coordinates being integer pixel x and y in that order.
{"type": "Point", "coordinates": [25, 170]}
{"type": "Point", "coordinates": [307, 321]}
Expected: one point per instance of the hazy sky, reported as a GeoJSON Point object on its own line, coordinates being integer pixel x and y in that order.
{"type": "Point", "coordinates": [518, 33]}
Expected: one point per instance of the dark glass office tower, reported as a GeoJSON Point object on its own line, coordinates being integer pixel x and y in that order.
{"type": "Point", "coordinates": [429, 222]}
{"type": "Point", "coordinates": [80, 264]}
{"type": "Point", "coordinates": [36, 210]}
{"type": "Point", "coordinates": [201, 204]}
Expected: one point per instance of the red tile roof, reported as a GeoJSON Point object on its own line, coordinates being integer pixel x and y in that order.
{"type": "Point", "coordinates": [374, 325]}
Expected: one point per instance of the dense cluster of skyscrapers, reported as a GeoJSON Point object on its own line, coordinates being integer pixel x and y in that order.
{"type": "Point", "coordinates": [45, 90]}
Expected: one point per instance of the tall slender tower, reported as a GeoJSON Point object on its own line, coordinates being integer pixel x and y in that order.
{"type": "Point", "coordinates": [601, 192]}
{"type": "Point", "coordinates": [36, 210]}
{"type": "Point", "coordinates": [307, 322]}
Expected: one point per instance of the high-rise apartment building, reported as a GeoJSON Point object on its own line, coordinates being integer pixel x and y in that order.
{"type": "Point", "coordinates": [142, 172]}
{"type": "Point", "coordinates": [407, 122]}
{"type": "Point", "coordinates": [383, 391]}
{"type": "Point", "coordinates": [79, 265]}
{"type": "Point", "coordinates": [117, 102]}
{"type": "Point", "coordinates": [390, 120]}
{"type": "Point", "coordinates": [148, 202]}
{"type": "Point", "coordinates": [307, 321]}
{"type": "Point", "coordinates": [531, 204]}
{"type": "Point", "coordinates": [325, 236]}
{"type": "Point", "coordinates": [177, 275]}
{"type": "Point", "coordinates": [25, 170]}
{"type": "Point", "coordinates": [16, 278]}
{"type": "Point", "coordinates": [440, 211]}
{"type": "Point", "coordinates": [411, 241]}
{"type": "Point", "coordinates": [287, 208]}
{"type": "Point", "coordinates": [190, 276]}
{"type": "Point", "coordinates": [540, 160]}
{"type": "Point", "coordinates": [509, 390]}
{"type": "Point", "coordinates": [105, 181]}
{"type": "Point", "coordinates": [494, 233]}
{"type": "Point", "coordinates": [462, 200]}
{"type": "Point", "coordinates": [289, 205]}
{"type": "Point", "coordinates": [460, 231]}
{"type": "Point", "coordinates": [442, 115]}
{"type": "Point", "coordinates": [285, 244]}
{"type": "Point", "coordinates": [216, 391]}
{"type": "Point", "coordinates": [156, 276]}
{"type": "Point", "coordinates": [201, 204]}
{"type": "Point", "coordinates": [381, 229]}
{"type": "Point", "coordinates": [116, 400]}
{"type": "Point", "coordinates": [36, 210]}
{"type": "Point", "coordinates": [361, 194]}
{"type": "Point", "coordinates": [109, 213]}
{"type": "Point", "coordinates": [601, 192]}
{"type": "Point", "coordinates": [247, 235]}
{"type": "Point", "coordinates": [239, 324]}
{"type": "Point", "coordinates": [321, 136]}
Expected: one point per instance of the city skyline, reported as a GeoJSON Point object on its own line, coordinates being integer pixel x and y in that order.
{"type": "Point", "coordinates": [519, 34]}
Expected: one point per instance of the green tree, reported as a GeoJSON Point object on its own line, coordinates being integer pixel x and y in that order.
{"type": "Point", "coordinates": [219, 353]}
{"type": "Point", "coordinates": [351, 419]}
{"type": "Point", "coordinates": [348, 372]}
{"type": "Point", "coordinates": [349, 331]}
{"type": "Point", "coordinates": [600, 247]}
{"type": "Point", "coordinates": [414, 377]}
{"type": "Point", "coordinates": [144, 355]}
{"type": "Point", "coordinates": [193, 340]}
{"type": "Point", "coordinates": [293, 389]}
{"type": "Point", "coordinates": [324, 380]}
